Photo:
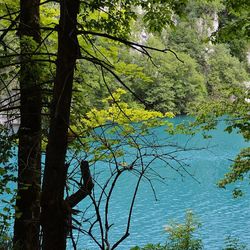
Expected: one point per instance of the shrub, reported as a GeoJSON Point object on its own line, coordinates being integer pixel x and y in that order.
{"type": "Point", "coordinates": [181, 236]}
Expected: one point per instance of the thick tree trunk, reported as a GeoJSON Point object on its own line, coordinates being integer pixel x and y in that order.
{"type": "Point", "coordinates": [54, 209]}
{"type": "Point", "coordinates": [26, 228]}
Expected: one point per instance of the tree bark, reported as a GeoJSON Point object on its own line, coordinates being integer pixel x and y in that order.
{"type": "Point", "coordinates": [26, 228]}
{"type": "Point", "coordinates": [54, 209]}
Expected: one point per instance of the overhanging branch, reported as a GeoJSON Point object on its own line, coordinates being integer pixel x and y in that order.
{"type": "Point", "coordinates": [85, 189]}
{"type": "Point", "coordinates": [134, 45]}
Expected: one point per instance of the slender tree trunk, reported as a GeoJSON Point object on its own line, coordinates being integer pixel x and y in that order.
{"type": "Point", "coordinates": [26, 228]}
{"type": "Point", "coordinates": [54, 209]}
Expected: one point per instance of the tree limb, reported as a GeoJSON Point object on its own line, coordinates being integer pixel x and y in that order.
{"type": "Point", "coordinates": [85, 189]}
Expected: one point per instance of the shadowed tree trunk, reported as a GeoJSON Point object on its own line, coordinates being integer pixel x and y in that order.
{"type": "Point", "coordinates": [55, 210]}
{"type": "Point", "coordinates": [26, 228]}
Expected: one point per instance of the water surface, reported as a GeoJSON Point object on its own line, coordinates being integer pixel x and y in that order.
{"type": "Point", "coordinates": [219, 213]}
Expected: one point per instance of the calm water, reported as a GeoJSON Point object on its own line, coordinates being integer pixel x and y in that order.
{"type": "Point", "coordinates": [219, 213]}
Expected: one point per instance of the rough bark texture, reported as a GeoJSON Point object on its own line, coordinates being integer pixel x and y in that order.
{"type": "Point", "coordinates": [55, 210]}
{"type": "Point", "coordinates": [26, 228]}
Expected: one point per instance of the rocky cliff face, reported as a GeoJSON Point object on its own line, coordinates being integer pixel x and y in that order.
{"type": "Point", "coordinates": [248, 57]}
{"type": "Point", "coordinates": [207, 27]}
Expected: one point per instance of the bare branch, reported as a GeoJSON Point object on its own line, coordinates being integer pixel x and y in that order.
{"type": "Point", "coordinates": [131, 44]}
{"type": "Point", "coordinates": [85, 189]}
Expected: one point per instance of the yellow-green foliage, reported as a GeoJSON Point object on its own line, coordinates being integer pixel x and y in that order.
{"type": "Point", "coordinates": [118, 112]}
{"type": "Point", "coordinates": [119, 125]}
{"type": "Point", "coordinates": [49, 14]}
{"type": "Point", "coordinates": [6, 7]}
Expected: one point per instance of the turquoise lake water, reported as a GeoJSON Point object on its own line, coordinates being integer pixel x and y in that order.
{"type": "Point", "coordinates": [219, 214]}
